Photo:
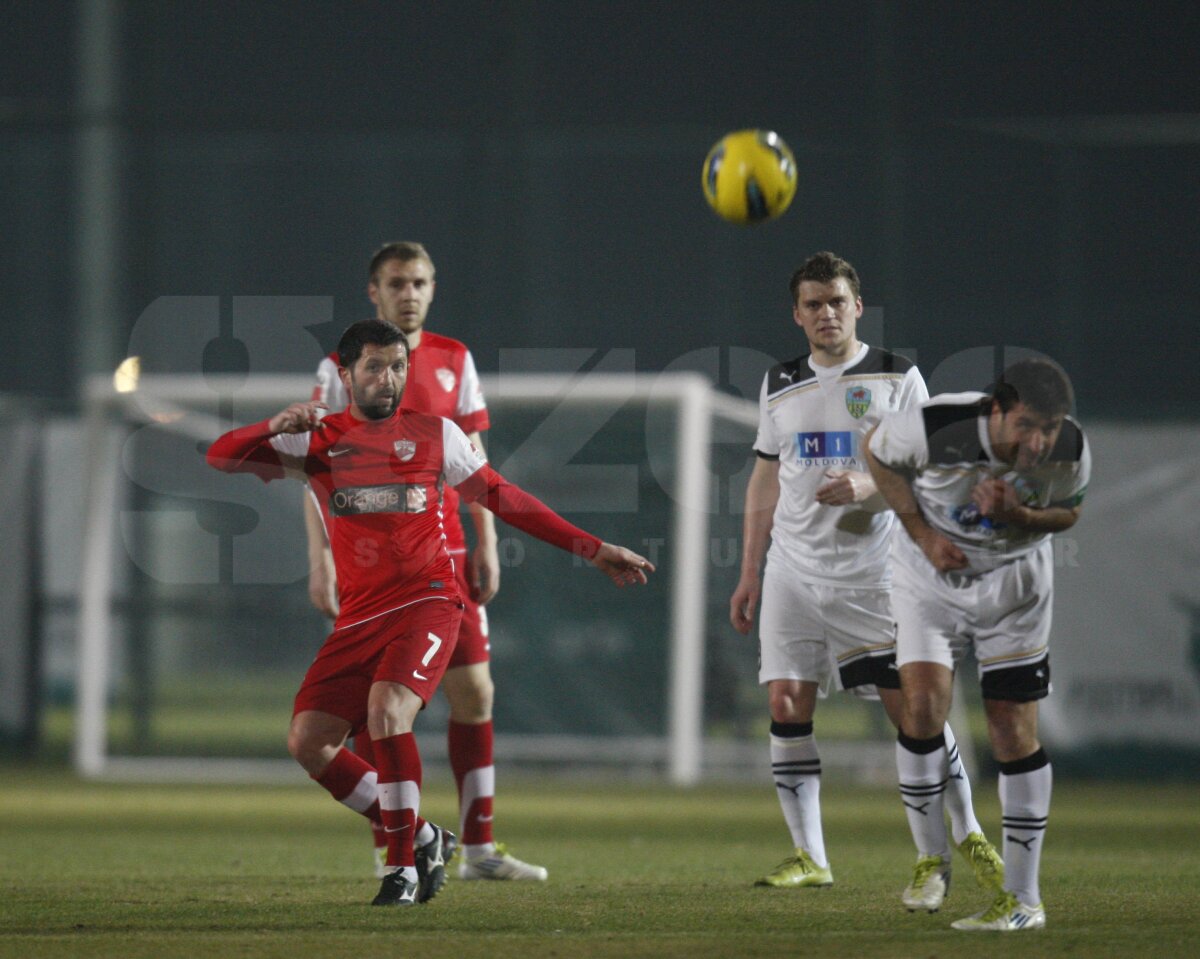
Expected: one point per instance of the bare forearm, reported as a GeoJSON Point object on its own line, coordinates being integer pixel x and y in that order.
{"type": "Point", "coordinates": [484, 523]}
{"type": "Point", "coordinates": [756, 536]}
{"type": "Point", "coordinates": [762, 496]}
{"type": "Point", "coordinates": [1049, 519]}
{"type": "Point", "coordinates": [314, 529]}
{"type": "Point", "coordinates": [897, 493]}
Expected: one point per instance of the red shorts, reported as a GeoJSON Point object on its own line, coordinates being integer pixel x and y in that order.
{"type": "Point", "coordinates": [411, 646]}
{"type": "Point", "coordinates": [472, 644]}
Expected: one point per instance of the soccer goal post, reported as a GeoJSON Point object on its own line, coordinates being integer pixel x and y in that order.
{"type": "Point", "coordinates": [147, 521]}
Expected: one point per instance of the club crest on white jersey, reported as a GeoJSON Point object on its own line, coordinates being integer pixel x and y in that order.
{"type": "Point", "coordinates": [858, 401]}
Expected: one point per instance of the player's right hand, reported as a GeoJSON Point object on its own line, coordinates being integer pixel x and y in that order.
{"type": "Point", "coordinates": [298, 418]}
{"type": "Point", "coordinates": [844, 488]}
{"type": "Point", "coordinates": [743, 603]}
{"type": "Point", "coordinates": [942, 553]}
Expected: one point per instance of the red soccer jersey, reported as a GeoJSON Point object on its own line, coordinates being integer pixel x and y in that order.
{"type": "Point", "coordinates": [381, 485]}
{"type": "Point", "coordinates": [442, 381]}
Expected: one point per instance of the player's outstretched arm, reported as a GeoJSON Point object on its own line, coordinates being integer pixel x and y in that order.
{"type": "Point", "coordinates": [530, 515]}
{"type": "Point", "coordinates": [623, 566]}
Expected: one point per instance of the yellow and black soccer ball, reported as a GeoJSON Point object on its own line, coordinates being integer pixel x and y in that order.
{"type": "Point", "coordinates": [749, 176]}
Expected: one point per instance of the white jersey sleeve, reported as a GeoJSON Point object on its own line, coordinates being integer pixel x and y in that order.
{"type": "Point", "coordinates": [291, 444]}
{"type": "Point", "coordinates": [470, 392]}
{"type": "Point", "coordinates": [913, 391]}
{"type": "Point", "coordinates": [460, 457]}
{"type": "Point", "coordinates": [766, 441]}
{"type": "Point", "coordinates": [911, 394]}
{"type": "Point", "coordinates": [329, 389]}
{"type": "Point", "coordinates": [899, 440]}
{"type": "Point", "coordinates": [1071, 490]}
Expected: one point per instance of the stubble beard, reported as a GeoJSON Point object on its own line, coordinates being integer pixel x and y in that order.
{"type": "Point", "coordinates": [378, 409]}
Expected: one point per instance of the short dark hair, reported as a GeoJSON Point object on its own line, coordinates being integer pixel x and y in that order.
{"type": "Point", "coordinates": [364, 332]}
{"type": "Point", "coordinates": [824, 267]}
{"type": "Point", "coordinates": [403, 250]}
{"type": "Point", "coordinates": [1038, 383]}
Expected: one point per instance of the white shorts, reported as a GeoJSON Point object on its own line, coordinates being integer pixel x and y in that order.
{"type": "Point", "coordinates": [816, 633]}
{"type": "Point", "coordinates": [1003, 614]}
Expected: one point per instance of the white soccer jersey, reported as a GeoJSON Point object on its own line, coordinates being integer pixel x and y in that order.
{"type": "Point", "coordinates": [945, 443]}
{"type": "Point", "coordinates": [813, 419]}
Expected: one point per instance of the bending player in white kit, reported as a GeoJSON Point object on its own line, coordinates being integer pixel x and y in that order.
{"type": "Point", "coordinates": [980, 483]}
{"type": "Point", "coordinates": [826, 616]}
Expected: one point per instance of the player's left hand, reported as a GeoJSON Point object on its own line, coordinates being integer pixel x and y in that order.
{"type": "Point", "coordinates": [623, 566]}
{"type": "Point", "coordinates": [997, 499]}
{"type": "Point", "coordinates": [845, 487]}
{"type": "Point", "coordinates": [483, 574]}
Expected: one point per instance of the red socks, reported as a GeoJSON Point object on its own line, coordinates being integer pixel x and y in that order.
{"type": "Point", "coordinates": [399, 765]}
{"type": "Point", "coordinates": [353, 783]}
{"type": "Point", "coordinates": [365, 751]}
{"type": "Point", "coordinates": [471, 760]}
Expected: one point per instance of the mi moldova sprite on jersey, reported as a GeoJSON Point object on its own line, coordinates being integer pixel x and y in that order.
{"type": "Point", "coordinates": [813, 419]}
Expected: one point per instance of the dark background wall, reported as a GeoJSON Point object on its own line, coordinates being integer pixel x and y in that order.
{"type": "Point", "coordinates": [1003, 174]}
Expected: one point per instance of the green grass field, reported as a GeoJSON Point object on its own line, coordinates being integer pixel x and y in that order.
{"type": "Point", "coordinates": [254, 871]}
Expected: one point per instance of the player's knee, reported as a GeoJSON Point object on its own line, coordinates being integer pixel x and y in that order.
{"type": "Point", "coordinates": [1012, 728]}
{"type": "Point", "coordinates": [472, 701]}
{"type": "Point", "coordinates": [924, 713]}
{"type": "Point", "coordinates": [785, 707]}
{"type": "Point", "coordinates": [485, 695]}
{"type": "Point", "coordinates": [381, 718]}
{"type": "Point", "coordinates": [306, 749]}
{"type": "Point", "coordinates": [1012, 743]}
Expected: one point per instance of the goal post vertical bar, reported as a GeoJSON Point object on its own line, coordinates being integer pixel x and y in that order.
{"type": "Point", "coordinates": [689, 573]}
{"type": "Point", "coordinates": [95, 587]}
